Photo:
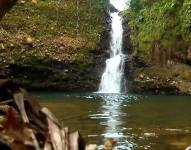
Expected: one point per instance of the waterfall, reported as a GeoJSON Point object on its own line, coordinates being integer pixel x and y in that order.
{"type": "Point", "coordinates": [113, 80]}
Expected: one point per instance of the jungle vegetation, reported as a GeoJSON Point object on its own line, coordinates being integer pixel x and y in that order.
{"type": "Point", "coordinates": [161, 25]}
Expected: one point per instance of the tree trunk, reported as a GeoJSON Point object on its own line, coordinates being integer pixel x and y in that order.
{"type": "Point", "coordinates": [5, 6]}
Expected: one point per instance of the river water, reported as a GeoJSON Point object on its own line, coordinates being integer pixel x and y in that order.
{"type": "Point", "coordinates": [135, 122]}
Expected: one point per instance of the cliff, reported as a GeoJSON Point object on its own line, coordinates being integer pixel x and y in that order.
{"type": "Point", "coordinates": [53, 44]}
{"type": "Point", "coordinates": [161, 39]}
{"type": "Point", "coordinates": [62, 45]}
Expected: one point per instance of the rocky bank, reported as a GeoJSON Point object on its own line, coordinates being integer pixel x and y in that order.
{"type": "Point", "coordinates": [42, 48]}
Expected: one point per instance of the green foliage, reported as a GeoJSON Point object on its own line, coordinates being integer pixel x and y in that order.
{"type": "Point", "coordinates": [185, 19]}
{"type": "Point", "coordinates": [167, 22]}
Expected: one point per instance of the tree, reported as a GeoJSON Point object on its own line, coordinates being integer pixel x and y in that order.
{"type": "Point", "coordinates": [5, 6]}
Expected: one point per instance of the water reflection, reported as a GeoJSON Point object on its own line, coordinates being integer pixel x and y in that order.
{"type": "Point", "coordinates": [125, 118]}
{"type": "Point", "coordinates": [110, 117]}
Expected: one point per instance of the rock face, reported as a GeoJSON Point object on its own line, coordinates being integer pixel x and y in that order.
{"type": "Point", "coordinates": [128, 51]}
{"type": "Point", "coordinates": [112, 8]}
{"type": "Point", "coordinates": [52, 76]}
{"type": "Point", "coordinates": [45, 53]}
{"type": "Point", "coordinates": [172, 79]}
{"type": "Point", "coordinates": [53, 58]}
{"type": "Point", "coordinates": [159, 51]}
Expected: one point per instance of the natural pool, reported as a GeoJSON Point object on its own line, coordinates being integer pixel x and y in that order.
{"type": "Point", "coordinates": [141, 122]}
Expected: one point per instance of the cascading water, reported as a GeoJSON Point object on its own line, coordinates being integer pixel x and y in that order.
{"type": "Point", "coordinates": [112, 80]}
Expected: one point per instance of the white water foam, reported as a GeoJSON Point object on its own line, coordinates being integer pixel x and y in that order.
{"type": "Point", "coordinates": [112, 80]}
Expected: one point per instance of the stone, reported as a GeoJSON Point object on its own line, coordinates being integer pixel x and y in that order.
{"type": "Point", "coordinates": [2, 47]}
{"type": "Point", "coordinates": [112, 8]}
{"type": "Point", "coordinates": [34, 2]}
{"type": "Point", "coordinates": [148, 78]}
{"type": "Point", "coordinates": [141, 76]}
{"type": "Point", "coordinates": [149, 134]}
{"type": "Point", "coordinates": [174, 130]}
{"type": "Point", "coordinates": [11, 45]}
{"type": "Point", "coordinates": [109, 144]}
{"type": "Point", "coordinates": [29, 41]}
{"type": "Point", "coordinates": [22, 2]}
{"type": "Point", "coordinates": [91, 147]}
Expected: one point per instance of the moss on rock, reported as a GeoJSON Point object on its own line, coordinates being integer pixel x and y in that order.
{"type": "Point", "coordinates": [43, 40]}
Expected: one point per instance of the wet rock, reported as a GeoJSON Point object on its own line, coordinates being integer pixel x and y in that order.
{"type": "Point", "coordinates": [149, 134]}
{"type": "Point", "coordinates": [162, 80]}
{"type": "Point", "coordinates": [112, 8]}
{"type": "Point", "coordinates": [174, 130]}
{"type": "Point", "coordinates": [91, 147]}
{"type": "Point", "coordinates": [109, 144]}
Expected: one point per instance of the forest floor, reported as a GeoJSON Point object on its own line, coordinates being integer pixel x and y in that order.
{"type": "Point", "coordinates": [42, 47]}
